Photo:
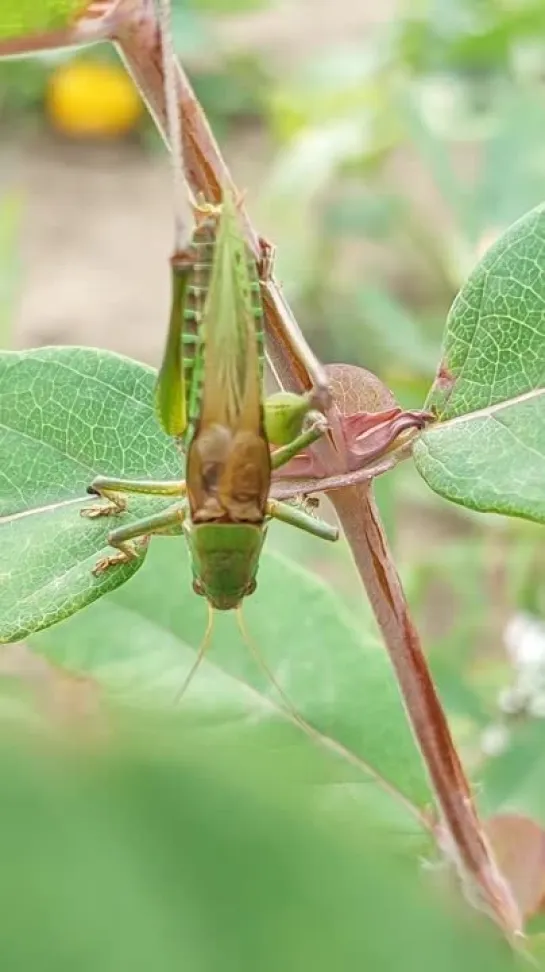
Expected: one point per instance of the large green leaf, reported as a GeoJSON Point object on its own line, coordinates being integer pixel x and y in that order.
{"type": "Point", "coordinates": [487, 451]}
{"type": "Point", "coordinates": [141, 639]}
{"type": "Point", "coordinates": [167, 846]}
{"type": "Point", "coordinates": [514, 781]}
{"type": "Point", "coordinates": [66, 415]}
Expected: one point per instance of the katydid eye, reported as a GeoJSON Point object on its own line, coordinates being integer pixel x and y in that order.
{"type": "Point", "coordinates": [198, 588]}
{"type": "Point", "coordinates": [251, 588]}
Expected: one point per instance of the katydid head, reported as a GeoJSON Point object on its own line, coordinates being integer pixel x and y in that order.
{"type": "Point", "coordinates": [224, 560]}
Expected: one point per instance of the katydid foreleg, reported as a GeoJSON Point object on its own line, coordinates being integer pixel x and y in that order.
{"type": "Point", "coordinates": [113, 490]}
{"type": "Point", "coordinates": [132, 539]}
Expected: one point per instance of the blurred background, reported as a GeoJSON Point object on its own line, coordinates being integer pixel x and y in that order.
{"type": "Point", "coordinates": [383, 147]}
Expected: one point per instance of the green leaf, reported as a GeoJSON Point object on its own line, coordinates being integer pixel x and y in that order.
{"type": "Point", "coordinates": [20, 17]}
{"type": "Point", "coordinates": [67, 415]}
{"type": "Point", "coordinates": [487, 450]}
{"type": "Point", "coordinates": [514, 781]}
{"type": "Point", "coordinates": [167, 846]}
{"type": "Point", "coordinates": [141, 640]}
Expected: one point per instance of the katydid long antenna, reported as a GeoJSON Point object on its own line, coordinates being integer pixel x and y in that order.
{"type": "Point", "coordinates": [201, 652]}
{"type": "Point", "coordinates": [273, 371]}
{"type": "Point", "coordinates": [184, 203]}
{"type": "Point", "coordinates": [286, 705]}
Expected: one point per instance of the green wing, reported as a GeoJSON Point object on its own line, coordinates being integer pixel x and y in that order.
{"type": "Point", "coordinates": [170, 390]}
{"type": "Point", "coordinates": [231, 331]}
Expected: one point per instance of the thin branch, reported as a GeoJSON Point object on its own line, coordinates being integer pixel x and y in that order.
{"type": "Point", "coordinates": [461, 832]}
{"type": "Point", "coordinates": [183, 203]}
{"type": "Point", "coordinates": [137, 36]}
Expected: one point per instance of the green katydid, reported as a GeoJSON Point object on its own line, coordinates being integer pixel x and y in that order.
{"type": "Point", "coordinates": [209, 396]}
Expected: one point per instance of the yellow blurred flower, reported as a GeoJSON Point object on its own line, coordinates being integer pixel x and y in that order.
{"type": "Point", "coordinates": [90, 99]}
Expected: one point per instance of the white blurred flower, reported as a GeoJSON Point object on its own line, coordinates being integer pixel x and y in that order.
{"type": "Point", "coordinates": [524, 639]}
{"type": "Point", "coordinates": [495, 739]}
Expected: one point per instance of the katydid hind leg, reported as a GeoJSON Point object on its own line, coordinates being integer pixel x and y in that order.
{"type": "Point", "coordinates": [130, 541]}
{"type": "Point", "coordinates": [297, 517]}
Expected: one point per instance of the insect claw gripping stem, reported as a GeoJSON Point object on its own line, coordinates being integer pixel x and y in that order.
{"type": "Point", "coordinates": [266, 262]}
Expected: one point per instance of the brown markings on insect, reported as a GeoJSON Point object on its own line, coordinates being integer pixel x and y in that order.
{"type": "Point", "coordinates": [228, 476]}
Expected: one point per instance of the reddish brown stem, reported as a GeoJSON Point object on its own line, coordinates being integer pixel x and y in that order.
{"type": "Point", "coordinates": [137, 36]}
{"type": "Point", "coordinates": [460, 830]}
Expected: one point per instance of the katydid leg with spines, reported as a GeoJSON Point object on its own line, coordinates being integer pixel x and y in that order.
{"type": "Point", "coordinates": [132, 540]}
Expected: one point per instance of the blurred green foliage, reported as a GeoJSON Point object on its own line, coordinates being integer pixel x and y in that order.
{"type": "Point", "coordinates": [231, 86]}
{"type": "Point", "coordinates": [135, 842]}
{"type": "Point", "coordinates": [401, 158]}
{"type": "Point", "coordinates": [449, 96]}
{"type": "Point", "coordinates": [480, 37]}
